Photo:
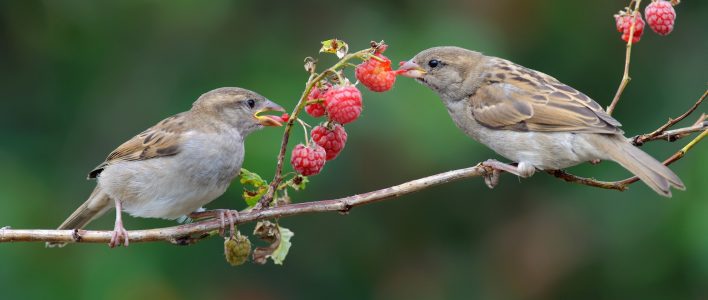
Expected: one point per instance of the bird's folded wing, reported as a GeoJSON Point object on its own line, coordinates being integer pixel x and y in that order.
{"type": "Point", "coordinates": [516, 98]}
{"type": "Point", "coordinates": [163, 139]}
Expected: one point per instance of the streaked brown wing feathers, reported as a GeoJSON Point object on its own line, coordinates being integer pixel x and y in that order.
{"type": "Point", "coordinates": [504, 101]}
{"type": "Point", "coordinates": [161, 140]}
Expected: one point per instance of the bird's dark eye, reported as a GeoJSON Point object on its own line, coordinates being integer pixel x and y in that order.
{"type": "Point", "coordinates": [433, 63]}
{"type": "Point", "coordinates": [251, 103]}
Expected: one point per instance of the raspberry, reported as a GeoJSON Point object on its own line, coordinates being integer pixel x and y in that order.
{"type": "Point", "coordinates": [376, 75]}
{"type": "Point", "coordinates": [308, 160]}
{"type": "Point", "coordinates": [624, 22]}
{"type": "Point", "coordinates": [332, 140]}
{"type": "Point", "coordinates": [316, 109]}
{"type": "Point", "coordinates": [343, 104]}
{"type": "Point", "coordinates": [660, 16]}
{"type": "Point", "coordinates": [317, 93]}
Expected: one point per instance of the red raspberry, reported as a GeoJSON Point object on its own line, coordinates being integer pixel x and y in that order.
{"type": "Point", "coordinates": [308, 160]}
{"type": "Point", "coordinates": [316, 109]}
{"type": "Point", "coordinates": [660, 16]}
{"type": "Point", "coordinates": [332, 140]}
{"type": "Point", "coordinates": [343, 104]}
{"type": "Point", "coordinates": [624, 22]}
{"type": "Point", "coordinates": [376, 75]}
{"type": "Point", "coordinates": [317, 93]}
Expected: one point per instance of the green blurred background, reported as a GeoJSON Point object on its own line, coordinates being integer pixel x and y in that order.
{"type": "Point", "coordinates": [77, 78]}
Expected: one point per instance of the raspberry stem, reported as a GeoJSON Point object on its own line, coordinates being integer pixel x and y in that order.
{"type": "Point", "coordinates": [625, 75]}
{"type": "Point", "coordinates": [304, 129]}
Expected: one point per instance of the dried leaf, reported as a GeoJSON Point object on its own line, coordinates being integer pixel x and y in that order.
{"type": "Point", "coordinates": [310, 64]}
{"type": "Point", "coordinates": [335, 46]}
{"type": "Point", "coordinates": [298, 182]}
{"type": "Point", "coordinates": [278, 256]}
{"type": "Point", "coordinates": [279, 239]}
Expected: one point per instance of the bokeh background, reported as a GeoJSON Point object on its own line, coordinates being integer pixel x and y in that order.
{"type": "Point", "coordinates": [77, 78]}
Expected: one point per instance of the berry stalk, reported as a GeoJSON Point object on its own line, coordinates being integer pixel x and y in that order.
{"type": "Point", "coordinates": [625, 75]}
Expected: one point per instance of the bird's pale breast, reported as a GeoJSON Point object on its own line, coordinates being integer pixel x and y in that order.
{"type": "Point", "coordinates": [169, 187]}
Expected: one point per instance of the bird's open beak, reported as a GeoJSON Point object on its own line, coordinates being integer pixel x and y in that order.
{"type": "Point", "coordinates": [267, 120]}
{"type": "Point", "coordinates": [411, 69]}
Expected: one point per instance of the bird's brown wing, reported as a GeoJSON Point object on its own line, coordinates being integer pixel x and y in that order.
{"type": "Point", "coordinates": [163, 139]}
{"type": "Point", "coordinates": [517, 98]}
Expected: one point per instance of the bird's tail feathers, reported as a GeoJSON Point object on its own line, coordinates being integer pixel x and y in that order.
{"type": "Point", "coordinates": [653, 173]}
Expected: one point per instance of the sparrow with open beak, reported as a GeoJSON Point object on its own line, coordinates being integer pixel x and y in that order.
{"type": "Point", "coordinates": [177, 166]}
{"type": "Point", "coordinates": [529, 117]}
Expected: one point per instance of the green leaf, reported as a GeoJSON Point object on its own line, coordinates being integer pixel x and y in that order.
{"type": "Point", "coordinates": [278, 256]}
{"type": "Point", "coordinates": [253, 196]}
{"type": "Point", "coordinates": [260, 186]}
{"type": "Point", "coordinates": [248, 177]}
{"type": "Point", "coordinates": [335, 46]}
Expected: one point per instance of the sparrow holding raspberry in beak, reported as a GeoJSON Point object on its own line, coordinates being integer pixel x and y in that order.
{"type": "Point", "coordinates": [529, 117]}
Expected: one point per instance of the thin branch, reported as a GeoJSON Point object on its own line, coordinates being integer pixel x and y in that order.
{"type": "Point", "coordinates": [610, 185]}
{"type": "Point", "coordinates": [672, 135]}
{"type": "Point", "coordinates": [641, 139]}
{"type": "Point", "coordinates": [177, 234]}
{"type": "Point", "coordinates": [625, 75]}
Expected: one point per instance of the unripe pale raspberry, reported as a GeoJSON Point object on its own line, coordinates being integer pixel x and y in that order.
{"type": "Point", "coordinates": [308, 161]}
{"type": "Point", "coordinates": [660, 16]}
{"type": "Point", "coordinates": [237, 249]}
{"type": "Point", "coordinates": [624, 22]}
{"type": "Point", "coordinates": [343, 103]}
{"type": "Point", "coordinates": [332, 140]}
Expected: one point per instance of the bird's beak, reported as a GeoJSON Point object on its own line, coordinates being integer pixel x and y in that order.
{"type": "Point", "coordinates": [411, 69]}
{"type": "Point", "coordinates": [266, 120]}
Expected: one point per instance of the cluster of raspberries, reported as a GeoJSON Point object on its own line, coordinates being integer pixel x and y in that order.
{"type": "Point", "coordinates": [340, 104]}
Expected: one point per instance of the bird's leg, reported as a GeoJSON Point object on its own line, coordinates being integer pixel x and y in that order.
{"type": "Point", "coordinates": [522, 169]}
{"type": "Point", "coordinates": [500, 166]}
{"type": "Point", "coordinates": [491, 180]}
{"type": "Point", "coordinates": [118, 229]}
{"type": "Point", "coordinates": [222, 214]}
{"type": "Point", "coordinates": [525, 170]}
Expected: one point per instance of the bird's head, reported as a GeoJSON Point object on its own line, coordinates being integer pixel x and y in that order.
{"type": "Point", "coordinates": [239, 108]}
{"type": "Point", "coordinates": [450, 71]}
